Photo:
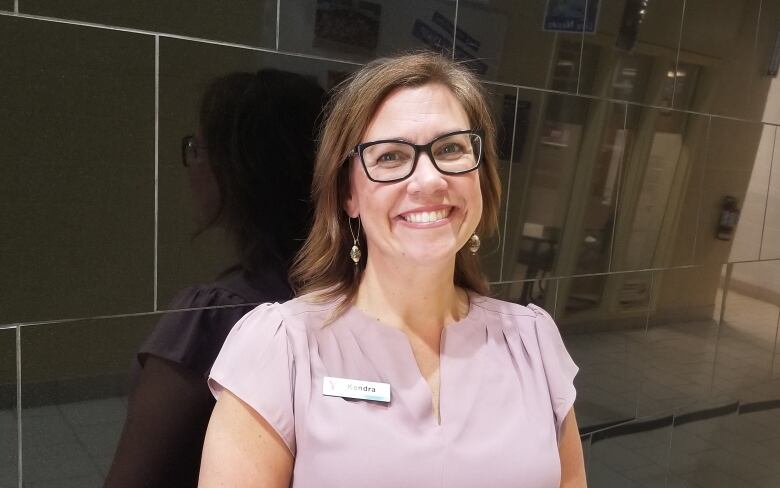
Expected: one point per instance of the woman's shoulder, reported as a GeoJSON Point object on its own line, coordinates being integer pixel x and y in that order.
{"type": "Point", "coordinates": [502, 308]}
{"type": "Point", "coordinates": [512, 316]}
{"type": "Point", "coordinates": [295, 315]}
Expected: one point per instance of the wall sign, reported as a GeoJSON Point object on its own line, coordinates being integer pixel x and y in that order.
{"type": "Point", "coordinates": [571, 15]}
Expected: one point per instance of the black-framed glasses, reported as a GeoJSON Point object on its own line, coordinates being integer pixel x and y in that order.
{"type": "Point", "coordinates": [391, 160]}
{"type": "Point", "coordinates": [191, 152]}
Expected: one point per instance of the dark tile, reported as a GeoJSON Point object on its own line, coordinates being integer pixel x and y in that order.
{"type": "Point", "coordinates": [9, 441]}
{"type": "Point", "coordinates": [660, 189]}
{"type": "Point", "coordinates": [75, 379]}
{"type": "Point", "coordinates": [250, 22]}
{"type": "Point", "coordinates": [186, 69]}
{"type": "Point", "coordinates": [677, 353]}
{"type": "Point", "coordinates": [739, 156]}
{"type": "Point", "coordinates": [631, 455]}
{"type": "Point", "coordinates": [748, 333]}
{"type": "Point", "coordinates": [365, 30]}
{"type": "Point", "coordinates": [585, 440]}
{"type": "Point", "coordinates": [55, 371]}
{"type": "Point", "coordinates": [564, 188]}
{"type": "Point", "coordinates": [603, 318]}
{"type": "Point", "coordinates": [7, 5]}
{"type": "Point", "coordinates": [721, 74]}
{"type": "Point", "coordinates": [730, 444]}
{"type": "Point", "coordinates": [511, 119]}
{"type": "Point", "coordinates": [76, 170]}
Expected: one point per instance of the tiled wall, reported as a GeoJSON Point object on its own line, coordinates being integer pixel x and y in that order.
{"type": "Point", "coordinates": [617, 149]}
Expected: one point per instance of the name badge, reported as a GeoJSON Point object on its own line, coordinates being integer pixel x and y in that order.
{"type": "Point", "coordinates": [361, 390]}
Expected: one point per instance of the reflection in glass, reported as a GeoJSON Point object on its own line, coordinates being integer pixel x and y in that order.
{"type": "Point", "coordinates": [249, 166]}
{"type": "Point", "coordinates": [9, 441]}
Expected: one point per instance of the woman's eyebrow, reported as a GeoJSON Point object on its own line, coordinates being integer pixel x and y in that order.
{"type": "Point", "coordinates": [403, 139]}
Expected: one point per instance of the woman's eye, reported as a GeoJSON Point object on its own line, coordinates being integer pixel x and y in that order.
{"type": "Point", "coordinates": [388, 157]}
{"type": "Point", "coordinates": [450, 149]}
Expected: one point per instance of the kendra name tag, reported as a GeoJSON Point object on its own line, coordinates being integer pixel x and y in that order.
{"type": "Point", "coordinates": [362, 390]}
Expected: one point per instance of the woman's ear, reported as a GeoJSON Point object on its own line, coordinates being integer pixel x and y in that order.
{"type": "Point", "coordinates": [351, 206]}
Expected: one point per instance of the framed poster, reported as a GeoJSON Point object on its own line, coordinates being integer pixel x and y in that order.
{"type": "Point", "coordinates": [347, 25]}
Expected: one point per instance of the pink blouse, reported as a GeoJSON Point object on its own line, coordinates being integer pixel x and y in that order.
{"type": "Point", "coordinates": [505, 388]}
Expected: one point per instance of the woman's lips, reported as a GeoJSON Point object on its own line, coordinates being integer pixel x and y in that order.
{"type": "Point", "coordinates": [427, 217]}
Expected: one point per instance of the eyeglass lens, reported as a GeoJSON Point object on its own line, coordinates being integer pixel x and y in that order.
{"type": "Point", "coordinates": [192, 153]}
{"type": "Point", "coordinates": [456, 153]}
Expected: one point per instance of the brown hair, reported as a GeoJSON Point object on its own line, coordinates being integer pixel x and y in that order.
{"type": "Point", "coordinates": [323, 265]}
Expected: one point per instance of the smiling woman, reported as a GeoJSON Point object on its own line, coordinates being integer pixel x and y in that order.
{"type": "Point", "coordinates": [395, 360]}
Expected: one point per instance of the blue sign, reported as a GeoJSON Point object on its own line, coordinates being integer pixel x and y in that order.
{"type": "Point", "coordinates": [571, 15]}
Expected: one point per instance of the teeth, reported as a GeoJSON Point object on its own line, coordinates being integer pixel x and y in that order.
{"type": "Point", "coordinates": [425, 217]}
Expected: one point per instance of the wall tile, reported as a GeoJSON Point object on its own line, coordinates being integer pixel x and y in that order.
{"type": "Point", "coordinates": [585, 440]}
{"type": "Point", "coordinates": [692, 448]}
{"type": "Point", "coordinates": [604, 318]}
{"type": "Point", "coordinates": [608, 381]}
{"type": "Point", "coordinates": [634, 454]}
{"type": "Point", "coordinates": [747, 242]}
{"type": "Point", "coordinates": [75, 378]}
{"type": "Point", "coordinates": [636, 48]}
{"type": "Point", "coordinates": [9, 441]}
{"type": "Point", "coordinates": [511, 117]}
{"type": "Point", "coordinates": [770, 243]}
{"type": "Point", "coordinates": [763, 88]}
{"type": "Point", "coordinates": [542, 292]}
{"type": "Point", "coordinates": [186, 68]}
{"type": "Point", "coordinates": [748, 333]}
{"type": "Point", "coordinates": [76, 170]}
{"type": "Point", "coordinates": [511, 44]}
{"type": "Point", "coordinates": [250, 22]}
{"type": "Point", "coordinates": [737, 153]}
{"type": "Point", "coordinates": [562, 198]}
{"type": "Point", "coordinates": [7, 5]}
{"type": "Point", "coordinates": [660, 189]}
{"type": "Point", "coordinates": [720, 66]}
{"type": "Point", "coordinates": [365, 30]}
{"type": "Point", "coordinates": [677, 353]}
{"type": "Point", "coordinates": [725, 450]}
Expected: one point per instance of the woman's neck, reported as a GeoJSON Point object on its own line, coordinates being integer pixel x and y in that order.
{"type": "Point", "coordinates": [414, 298]}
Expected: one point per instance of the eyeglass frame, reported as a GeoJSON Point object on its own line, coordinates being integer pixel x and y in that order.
{"type": "Point", "coordinates": [418, 148]}
{"type": "Point", "coordinates": [188, 142]}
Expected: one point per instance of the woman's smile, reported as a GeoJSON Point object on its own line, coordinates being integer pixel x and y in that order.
{"type": "Point", "coordinates": [421, 219]}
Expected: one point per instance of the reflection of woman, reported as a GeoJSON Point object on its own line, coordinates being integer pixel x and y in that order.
{"type": "Point", "coordinates": [396, 370]}
{"type": "Point", "coordinates": [250, 168]}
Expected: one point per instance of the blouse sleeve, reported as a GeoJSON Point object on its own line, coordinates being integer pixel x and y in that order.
{"type": "Point", "coordinates": [559, 368]}
{"type": "Point", "coordinates": [192, 332]}
{"type": "Point", "coordinates": [256, 365]}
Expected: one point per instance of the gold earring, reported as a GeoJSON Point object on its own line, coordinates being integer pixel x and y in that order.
{"type": "Point", "coordinates": [474, 243]}
{"type": "Point", "coordinates": [355, 254]}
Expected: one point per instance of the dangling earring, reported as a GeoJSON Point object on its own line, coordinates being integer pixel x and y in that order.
{"type": "Point", "coordinates": [474, 243]}
{"type": "Point", "coordinates": [355, 254]}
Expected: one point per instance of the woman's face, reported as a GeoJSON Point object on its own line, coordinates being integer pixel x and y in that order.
{"type": "Point", "coordinates": [203, 184]}
{"type": "Point", "coordinates": [427, 218]}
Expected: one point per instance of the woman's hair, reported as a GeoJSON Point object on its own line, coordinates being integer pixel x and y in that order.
{"type": "Point", "coordinates": [260, 132]}
{"type": "Point", "coordinates": [323, 265]}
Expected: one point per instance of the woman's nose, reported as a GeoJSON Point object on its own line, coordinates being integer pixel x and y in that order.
{"type": "Point", "coordinates": [426, 178]}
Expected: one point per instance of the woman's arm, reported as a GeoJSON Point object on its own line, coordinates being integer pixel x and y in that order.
{"type": "Point", "coordinates": [167, 415]}
{"type": "Point", "coordinates": [570, 452]}
{"type": "Point", "coordinates": [242, 449]}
